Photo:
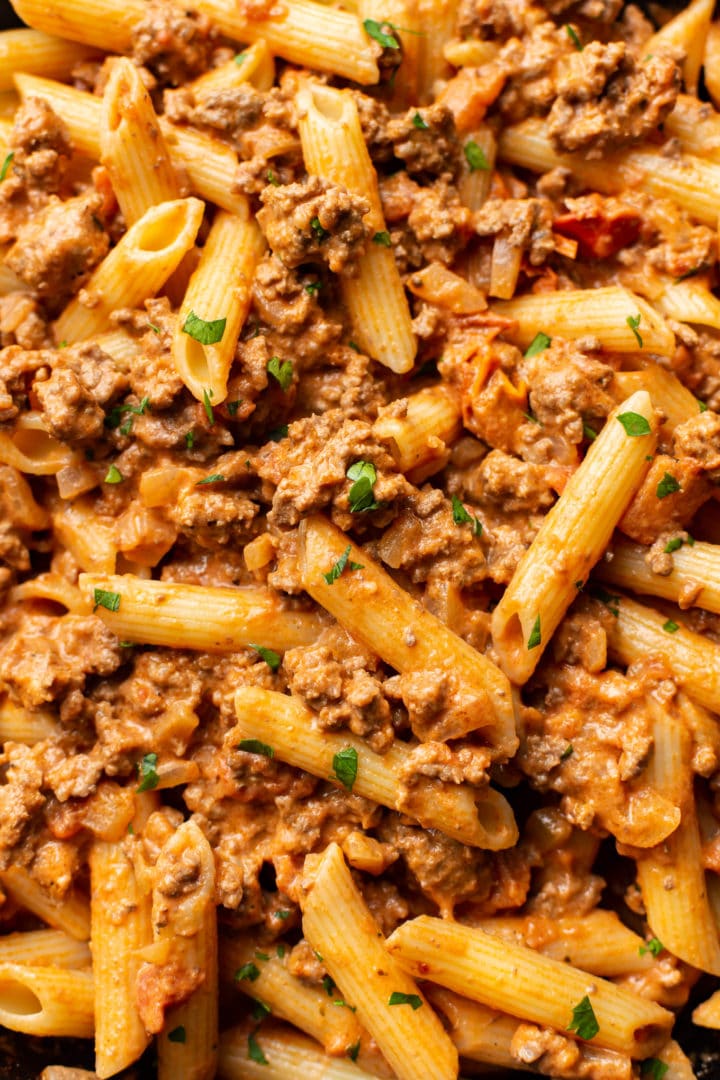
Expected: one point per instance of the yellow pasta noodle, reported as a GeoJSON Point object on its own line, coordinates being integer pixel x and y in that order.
{"type": "Point", "coordinates": [44, 948]}
{"type": "Point", "coordinates": [286, 1055]}
{"type": "Point", "coordinates": [34, 52]}
{"type": "Point", "coordinates": [71, 913]}
{"type": "Point", "coordinates": [46, 1000]}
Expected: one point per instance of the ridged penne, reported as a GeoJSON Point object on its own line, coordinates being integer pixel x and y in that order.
{"type": "Point", "coordinates": [36, 53]}
{"type": "Point", "coordinates": [46, 1001]}
{"type": "Point", "coordinates": [71, 913]}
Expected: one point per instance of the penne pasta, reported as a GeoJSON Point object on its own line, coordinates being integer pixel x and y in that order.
{"type": "Point", "coordinates": [136, 268]}
{"type": "Point", "coordinates": [44, 948]}
{"type": "Point", "coordinates": [334, 149]}
{"type": "Point", "coordinates": [373, 608]}
{"type": "Point", "coordinates": [132, 147]}
{"type": "Point", "coordinates": [686, 32]}
{"type": "Point", "coordinates": [505, 976]}
{"type": "Point", "coordinates": [692, 582]}
{"type": "Point", "coordinates": [572, 537]}
{"type": "Point", "coordinates": [479, 818]}
{"type": "Point", "coordinates": [46, 1000]}
{"type": "Point", "coordinates": [220, 291]}
{"type": "Point", "coordinates": [36, 53]}
{"type": "Point", "coordinates": [21, 725]}
{"type": "Point", "coordinates": [337, 922]}
{"type": "Point", "coordinates": [71, 913]}
{"type": "Point", "coordinates": [667, 393]}
{"type": "Point", "coordinates": [707, 1014]}
{"type": "Point", "coordinates": [279, 1053]}
{"type": "Point", "coordinates": [419, 433]}
{"type": "Point", "coordinates": [196, 617]}
{"type": "Point", "coordinates": [254, 65]}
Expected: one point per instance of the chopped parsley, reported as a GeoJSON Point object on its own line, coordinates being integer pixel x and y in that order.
{"type": "Point", "coordinates": [177, 1035]}
{"type": "Point", "coordinates": [475, 157]}
{"type": "Point", "coordinates": [653, 1067]}
{"type": "Point", "coordinates": [673, 545]}
{"type": "Point", "coordinates": [147, 771]}
{"type": "Point", "coordinates": [572, 34]}
{"type": "Point", "coordinates": [606, 598]}
{"type": "Point", "coordinates": [328, 985]}
{"type": "Point", "coordinates": [207, 394]}
{"type": "Point", "coordinates": [633, 322]}
{"type": "Point", "coordinates": [654, 946]}
{"type": "Point", "coordinates": [377, 33]}
{"type": "Point", "coordinates": [254, 1050]}
{"type": "Point", "coordinates": [313, 288]}
{"type": "Point", "coordinates": [278, 433]}
{"type": "Point", "coordinates": [670, 627]}
{"type": "Point", "coordinates": [115, 415]}
{"type": "Point", "coordinates": [319, 232]}
{"type": "Point", "coordinates": [345, 767]}
{"type": "Point", "coordinates": [634, 424]}
{"type": "Point", "coordinates": [398, 998]}
{"type": "Point", "coordinates": [213, 478]}
{"type": "Point", "coordinates": [353, 1051]}
{"type": "Point", "coordinates": [337, 568]}
{"type": "Point", "coordinates": [254, 746]}
{"type": "Point", "coordinates": [113, 475]}
{"type": "Point", "coordinates": [539, 344]}
{"type": "Point", "coordinates": [189, 440]}
{"type": "Point", "coordinates": [567, 752]}
{"type": "Point", "coordinates": [155, 329]}
{"type": "Point", "coordinates": [584, 1022]}
{"type": "Point", "coordinates": [361, 494]}
{"type": "Point", "coordinates": [419, 123]}
{"type": "Point", "coordinates": [109, 600]}
{"type": "Point", "coordinates": [532, 418]}
{"type": "Point", "coordinates": [702, 407]}
{"type": "Point", "coordinates": [462, 517]}
{"type": "Point", "coordinates": [233, 406]}
{"type": "Point", "coordinates": [589, 433]}
{"type": "Point", "coordinates": [280, 949]}
{"type": "Point", "coordinates": [239, 58]}
{"type": "Point", "coordinates": [247, 973]}
{"type": "Point", "coordinates": [207, 332]}
{"type": "Point", "coordinates": [272, 178]}
{"type": "Point", "coordinates": [260, 1010]}
{"type": "Point", "coordinates": [282, 370]}
{"type": "Point", "coordinates": [6, 165]}
{"type": "Point", "coordinates": [271, 658]}
{"type": "Point", "coordinates": [344, 1005]}
{"type": "Point", "coordinates": [667, 486]}
{"type": "Point", "coordinates": [282, 913]}
{"type": "Point", "coordinates": [261, 955]}
{"type": "Point", "coordinates": [535, 638]}
{"type": "Point", "coordinates": [382, 238]}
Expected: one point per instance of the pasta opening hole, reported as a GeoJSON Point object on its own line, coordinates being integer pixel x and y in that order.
{"type": "Point", "coordinates": [492, 814]}
{"type": "Point", "coordinates": [329, 103]}
{"type": "Point", "coordinates": [513, 641]}
{"type": "Point", "coordinates": [17, 999]}
{"type": "Point", "coordinates": [162, 233]}
{"type": "Point", "coordinates": [197, 363]}
{"type": "Point", "coordinates": [37, 445]}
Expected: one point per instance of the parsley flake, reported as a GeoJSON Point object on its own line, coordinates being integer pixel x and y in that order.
{"type": "Point", "coordinates": [278, 433]}
{"type": "Point", "coordinates": [673, 545]}
{"type": "Point", "coordinates": [260, 1010]}
{"type": "Point", "coordinates": [535, 638]}
{"type": "Point", "coordinates": [271, 658]}
{"type": "Point", "coordinates": [353, 1051]}
{"type": "Point", "coordinates": [337, 568]}
{"type": "Point", "coordinates": [572, 34]}
{"type": "Point", "coordinates": [567, 752]}
{"type": "Point", "coordinates": [189, 440]}
{"type": "Point", "coordinates": [233, 406]}
{"type": "Point", "coordinates": [382, 238]}
{"type": "Point", "coordinates": [207, 394]}
{"type": "Point", "coordinates": [653, 1067]}
{"type": "Point", "coordinates": [539, 344]}
{"type": "Point", "coordinates": [584, 1022]}
{"type": "Point", "coordinates": [589, 433]}
{"type": "Point", "coordinates": [207, 332]}
{"type": "Point", "coordinates": [247, 973]}
{"type": "Point", "coordinates": [282, 913]}
{"type": "Point", "coordinates": [255, 1052]}
{"type": "Point", "coordinates": [702, 407]}
{"type": "Point", "coordinates": [114, 416]}
{"type": "Point", "coordinates": [109, 600]}
{"type": "Point", "coordinates": [462, 517]}
{"type": "Point", "coordinates": [313, 288]}
{"type": "Point", "coordinates": [634, 424]}
{"type": "Point", "coordinates": [398, 998]}
{"type": "Point", "coordinates": [214, 478]}
{"type": "Point", "coordinates": [345, 767]}
{"type": "Point", "coordinates": [113, 475]}
{"type": "Point", "coordinates": [272, 178]}
{"type": "Point", "coordinates": [282, 370]}
{"type": "Point", "coordinates": [147, 771]}
{"type": "Point", "coordinates": [320, 233]}
{"type": "Point", "coordinates": [475, 157]}
{"type": "Point", "coordinates": [155, 329]}
{"type": "Point", "coordinates": [419, 123]}
{"type": "Point", "coordinates": [667, 486]}
{"type": "Point", "coordinates": [633, 322]}
{"type": "Point", "coordinates": [6, 165]}
{"type": "Point", "coordinates": [654, 946]}
{"type": "Point", "coordinates": [239, 58]}
{"type": "Point", "coordinates": [670, 627]}
{"type": "Point", "coordinates": [177, 1035]}
{"type": "Point", "coordinates": [376, 32]}
{"type": "Point", "coordinates": [361, 494]}
{"type": "Point", "coordinates": [606, 598]}
{"type": "Point", "coordinates": [328, 985]}
{"type": "Point", "coordinates": [254, 746]}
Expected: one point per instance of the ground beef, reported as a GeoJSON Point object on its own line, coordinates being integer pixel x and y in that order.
{"type": "Point", "coordinates": [504, 481]}
{"type": "Point", "coordinates": [41, 145]}
{"type": "Point", "coordinates": [82, 381]}
{"type": "Point", "coordinates": [173, 43]}
{"type": "Point", "coordinates": [343, 683]}
{"type": "Point", "coordinates": [439, 224]}
{"type": "Point", "coordinates": [495, 18]}
{"type": "Point", "coordinates": [426, 140]}
{"type": "Point", "coordinates": [55, 251]}
{"type": "Point", "coordinates": [49, 657]}
{"type": "Point", "coordinates": [530, 62]}
{"type": "Point", "coordinates": [225, 111]}
{"type": "Point", "coordinates": [314, 221]}
{"type": "Point", "coordinates": [374, 121]}
{"type": "Point", "coordinates": [524, 223]}
{"type": "Point", "coordinates": [606, 99]}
